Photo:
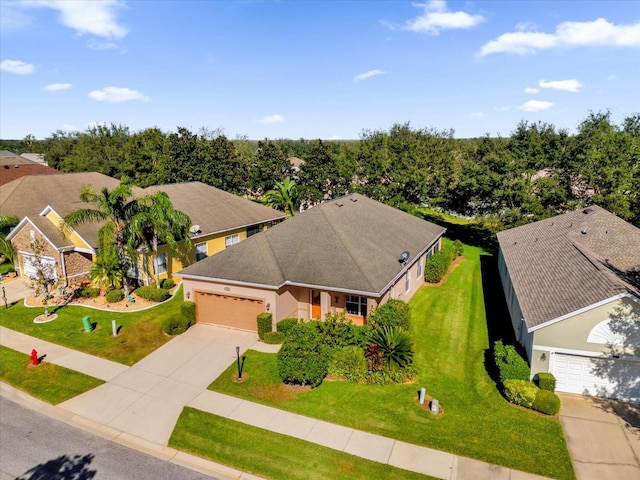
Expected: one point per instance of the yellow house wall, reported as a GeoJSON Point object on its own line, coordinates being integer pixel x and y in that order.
{"type": "Point", "coordinates": [69, 233]}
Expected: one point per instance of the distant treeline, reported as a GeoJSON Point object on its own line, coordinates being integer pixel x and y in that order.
{"type": "Point", "coordinates": [536, 172]}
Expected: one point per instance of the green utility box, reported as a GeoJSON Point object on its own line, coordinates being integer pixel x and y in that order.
{"type": "Point", "coordinates": [86, 322]}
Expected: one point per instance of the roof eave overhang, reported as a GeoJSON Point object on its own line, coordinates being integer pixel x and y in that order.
{"type": "Point", "coordinates": [237, 227]}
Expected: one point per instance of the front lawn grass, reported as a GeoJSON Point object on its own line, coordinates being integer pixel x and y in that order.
{"type": "Point", "coordinates": [46, 381]}
{"type": "Point", "coordinates": [140, 332]}
{"type": "Point", "coordinates": [270, 454]}
{"type": "Point", "coordinates": [449, 326]}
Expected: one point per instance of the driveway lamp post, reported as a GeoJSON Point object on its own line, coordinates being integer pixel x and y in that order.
{"type": "Point", "coordinates": [240, 364]}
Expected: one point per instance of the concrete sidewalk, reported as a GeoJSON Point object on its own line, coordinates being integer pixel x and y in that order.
{"type": "Point", "coordinates": [141, 404]}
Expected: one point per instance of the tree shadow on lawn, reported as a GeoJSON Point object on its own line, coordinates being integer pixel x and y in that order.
{"type": "Point", "coordinates": [498, 319]}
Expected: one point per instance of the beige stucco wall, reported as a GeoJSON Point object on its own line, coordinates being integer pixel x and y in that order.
{"type": "Point", "coordinates": [572, 333]}
{"type": "Point", "coordinates": [292, 302]}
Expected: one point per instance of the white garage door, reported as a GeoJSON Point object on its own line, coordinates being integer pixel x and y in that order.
{"type": "Point", "coordinates": [30, 270]}
{"type": "Point", "coordinates": [613, 378]}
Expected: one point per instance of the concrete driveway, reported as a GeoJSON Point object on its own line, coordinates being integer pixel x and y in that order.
{"type": "Point", "coordinates": [146, 399]}
{"type": "Point", "coordinates": [603, 437]}
{"type": "Point", "coordinates": [15, 289]}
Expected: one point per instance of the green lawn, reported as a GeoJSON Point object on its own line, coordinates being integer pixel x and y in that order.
{"type": "Point", "coordinates": [45, 381]}
{"type": "Point", "coordinates": [452, 337]}
{"type": "Point", "coordinates": [270, 454]}
{"type": "Point", "coordinates": [140, 332]}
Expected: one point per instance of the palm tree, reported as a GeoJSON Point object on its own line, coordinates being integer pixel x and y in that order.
{"type": "Point", "coordinates": [158, 222]}
{"type": "Point", "coordinates": [114, 207]}
{"type": "Point", "coordinates": [283, 196]}
{"type": "Point", "coordinates": [6, 249]}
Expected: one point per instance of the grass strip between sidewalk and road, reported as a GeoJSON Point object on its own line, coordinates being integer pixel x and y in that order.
{"type": "Point", "coordinates": [140, 331]}
{"type": "Point", "coordinates": [46, 381]}
{"type": "Point", "coordinates": [273, 455]}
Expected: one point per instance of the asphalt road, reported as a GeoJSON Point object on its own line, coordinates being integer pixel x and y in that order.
{"type": "Point", "coordinates": [36, 447]}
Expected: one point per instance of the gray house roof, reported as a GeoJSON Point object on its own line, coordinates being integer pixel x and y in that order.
{"type": "Point", "coordinates": [352, 244]}
{"type": "Point", "coordinates": [215, 210]}
{"type": "Point", "coordinates": [570, 262]}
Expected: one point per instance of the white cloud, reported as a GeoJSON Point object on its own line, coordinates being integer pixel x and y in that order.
{"type": "Point", "coordinates": [16, 66]}
{"type": "Point", "coordinates": [91, 125]}
{"type": "Point", "coordinates": [531, 90]}
{"type": "Point", "coordinates": [598, 33]}
{"type": "Point", "coordinates": [95, 45]}
{"type": "Point", "coordinates": [572, 85]}
{"type": "Point", "coordinates": [476, 115]}
{"type": "Point", "coordinates": [272, 119]}
{"type": "Point", "coordinates": [86, 16]}
{"type": "Point", "coordinates": [535, 105]}
{"type": "Point", "coordinates": [436, 17]}
{"type": "Point", "coordinates": [117, 95]}
{"type": "Point", "coordinates": [56, 87]}
{"type": "Point", "coordinates": [12, 17]}
{"type": "Point", "coordinates": [369, 74]}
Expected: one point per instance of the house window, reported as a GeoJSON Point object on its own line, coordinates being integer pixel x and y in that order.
{"type": "Point", "coordinates": [419, 268]}
{"type": "Point", "coordinates": [160, 265]}
{"type": "Point", "coordinates": [253, 230]}
{"type": "Point", "coordinates": [407, 282]}
{"type": "Point", "coordinates": [201, 251]}
{"type": "Point", "coordinates": [356, 305]}
{"type": "Point", "coordinates": [231, 240]}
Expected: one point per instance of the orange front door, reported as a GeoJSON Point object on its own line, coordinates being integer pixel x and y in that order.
{"type": "Point", "coordinates": [316, 311]}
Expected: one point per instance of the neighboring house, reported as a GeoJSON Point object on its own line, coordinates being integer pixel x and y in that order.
{"type": "Point", "coordinates": [43, 201]}
{"type": "Point", "coordinates": [14, 166]}
{"type": "Point", "coordinates": [571, 285]}
{"type": "Point", "coordinates": [347, 255]}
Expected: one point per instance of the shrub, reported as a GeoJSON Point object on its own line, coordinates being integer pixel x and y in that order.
{"type": "Point", "coordinates": [337, 331]}
{"type": "Point", "coordinates": [437, 265]}
{"type": "Point", "coordinates": [175, 325]}
{"type": "Point", "coordinates": [285, 325]}
{"type": "Point", "coordinates": [87, 292]}
{"type": "Point", "coordinates": [546, 402]}
{"type": "Point", "coordinates": [348, 363]}
{"type": "Point", "coordinates": [273, 338]}
{"type": "Point", "coordinates": [546, 381]}
{"type": "Point", "coordinates": [393, 313]}
{"type": "Point", "coordinates": [167, 283]}
{"type": "Point", "coordinates": [384, 377]}
{"type": "Point", "coordinates": [509, 362]}
{"type": "Point", "coordinates": [153, 294]}
{"type": "Point", "coordinates": [188, 310]}
{"type": "Point", "coordinates": [264, 324]}
{"type": "Point", "coordinates": [396, 346]}
{"type": "Point", "coordinates": [520, 392]}
{"type": "Point", "coordinates": [303, 358]}
{"type": "Point", "coordinates": [113, 296]}
{"type": "Point", "coordinates": [458, 248]}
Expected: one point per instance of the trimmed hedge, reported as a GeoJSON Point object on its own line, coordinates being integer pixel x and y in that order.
{"type": "Point", "coordinates": [167, 283]}
{"type": "Point", "coordinates": [188, 310]}
{"type": "Point", "coordinates": [87, 292]}
{"type": "Point", "coordinates": [285, 325]}
{"type": "Point", "coordinates": [546, 402]}
{"type": "Point", "coordinates": [546, 381]}
{"type": "Point", "coordinates": [509, 362]}
{"type": "Point", "coordinates": [349, 363]}
{"type": "Point", "coordinates": [113, 296]}
{"type": "Point", "coordinates": [175, 325]}
{"type": "Point", "coordinates": [520, 392]}
{"type": "Point", "coordinates": [265, 323]}
{"type": "Point", "coordinates": [153, 294]}
{"type": "Point", "coordinates": [393, 313]}
{"type": "Point", "coordinates": [273, 338]}
{"type": "Point", "coordinates": [458, 248]}
{"type": "Point", "coordinates": [438, 264]}
{"type": "Point", "coordinates": [304, 357]}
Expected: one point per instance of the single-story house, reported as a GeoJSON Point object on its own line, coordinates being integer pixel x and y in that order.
{"type": "Point", "coordinates": [347, 255]}
{"type": "Point", "coordinates": [572, 288]}
{"type": "Point", "coordinates": [220, 219]}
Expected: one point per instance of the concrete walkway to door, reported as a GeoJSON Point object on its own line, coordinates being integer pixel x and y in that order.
{"type": "Point", "coordinates": [603, 437]}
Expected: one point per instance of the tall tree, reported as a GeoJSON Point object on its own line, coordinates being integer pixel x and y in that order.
{"type": "Point", "coordinates": [116, 208]}
{"type": "Point", "coordinates": [283, 196]}
{"type": "Point", "coordinates": [43, 273]}
{"type": "Point", "coordinates": [158, 222]}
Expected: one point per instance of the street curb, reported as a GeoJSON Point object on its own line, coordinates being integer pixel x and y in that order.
{"type": "Point", "coordinates": [168, 454]}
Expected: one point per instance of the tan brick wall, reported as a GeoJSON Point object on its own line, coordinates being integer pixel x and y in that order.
{"type": "Point", "coordinates": [78, 265]}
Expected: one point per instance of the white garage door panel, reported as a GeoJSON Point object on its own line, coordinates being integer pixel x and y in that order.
{"type": "Point", "coordinates": [615, 378]}
{"type": "Point", "coordinates": [30, 269]}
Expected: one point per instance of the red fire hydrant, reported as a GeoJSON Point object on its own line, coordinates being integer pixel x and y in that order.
{"type": "Point", "coordinates": [34, 357]}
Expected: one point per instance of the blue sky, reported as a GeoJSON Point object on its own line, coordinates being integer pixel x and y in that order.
{"type": "Point", "coordinates": [323, 69]}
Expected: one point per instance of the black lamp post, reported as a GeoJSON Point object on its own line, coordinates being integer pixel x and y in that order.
{"type": "Point", "coordinates": [238, 356]}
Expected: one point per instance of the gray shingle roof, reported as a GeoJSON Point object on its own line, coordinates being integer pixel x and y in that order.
{"type": "Point", "coordinates": [213, 209]}
{"type": "Point", "coordinates": [352, 243]}
{"type": "Point", "coordinates": [566, 263]}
